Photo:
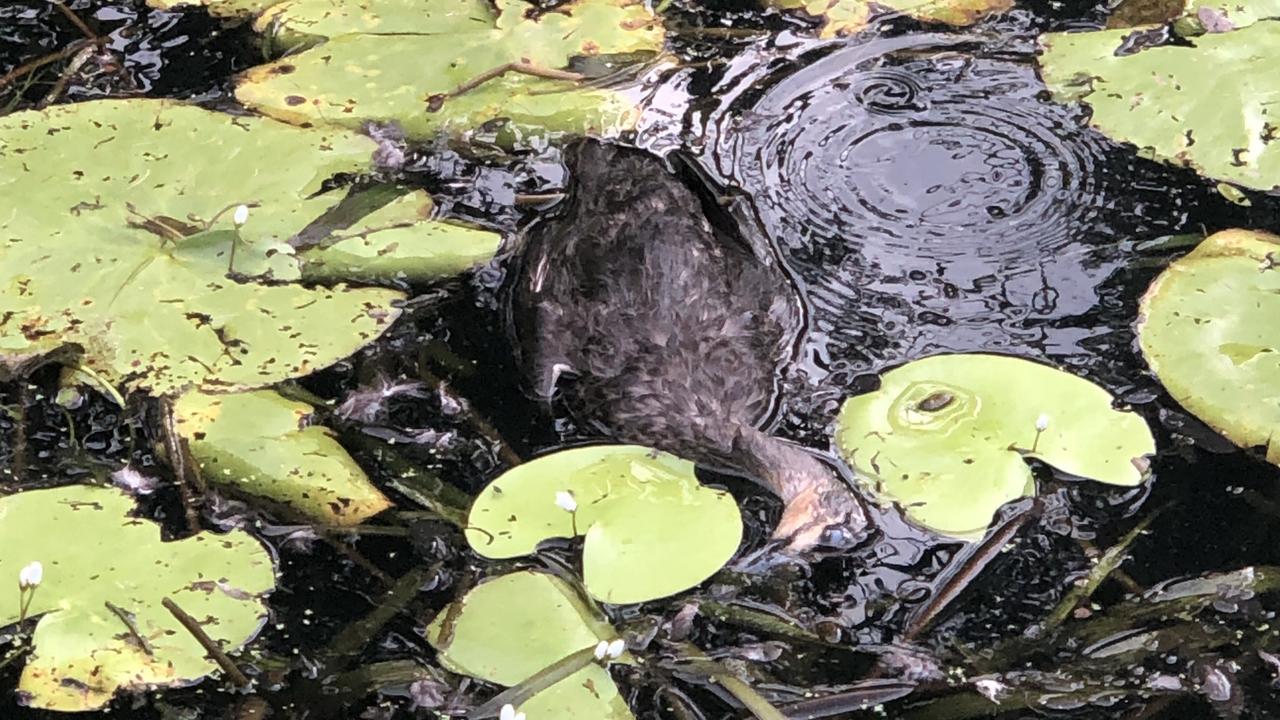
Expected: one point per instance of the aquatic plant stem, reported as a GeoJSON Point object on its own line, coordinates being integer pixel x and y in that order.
{"type": "Point", "coordinates": [716, 672]}
{"type": "Point", "coordinates": [419, 485]}
{"type": "Point", "coordinates": [211, 647]}
{"type": "Point", "coordinates": [536, 683]}
{"type": "Point", "coordinates": [977, 560]}
{"type": "Point", "coordinates": [343, 648]}
{"type": "Point", "coordinates": [1106, 565]}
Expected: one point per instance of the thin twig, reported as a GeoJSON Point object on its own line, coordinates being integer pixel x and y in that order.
{"type": "Point", "coordinates": [435, 102]}
{"type": "Point", "coordinates": [188, 478]}
{"type": "Point", "coordinates": [211, 647]}
{"type": "Point", "coordinates": [126, 617]}
{"type": "Point", "coordinates": [30, 67]}
{"type": "Point", "coordinates": [70, 14]}
{"type": "Point", "coordinates": [68, 72]}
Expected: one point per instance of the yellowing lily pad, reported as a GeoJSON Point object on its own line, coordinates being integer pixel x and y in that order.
{"type": "Point", "coordinates": [1208, 329]}
{"type": "Point", "coordinates": [1207, 102]}
{"type": "Point", "coordinates": [125, 253]}
{"type": "Point", "coordinates": [397, 60]}
{"type": "Point", "coordinates": [102, 627]}
{"type": "Point", "coordinates": [844, 17]}
{"type": "Point", "coordinates": [945, 437]}
{"type": "Point", "coordinates": [509, 628]}
{"type": "Point", "coordinates": [259, 443]}
{"type": "Point", "coordinates": [650, 528]}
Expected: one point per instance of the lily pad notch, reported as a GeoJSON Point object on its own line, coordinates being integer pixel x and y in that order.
{"type": "Point", "coordinates": [649, 528]}
{"type": "Point", "coordinates": [946, 437]}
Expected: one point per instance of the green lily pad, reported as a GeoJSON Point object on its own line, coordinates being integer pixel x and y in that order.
{"type": "Point", "coordinates": [945, 436]}
{"type": "Point", "coordinates": [259, 443]}
{"type": "Point", "coordinates": [1207, 328]}
{"type": "Point", "coordinates": [509, 628]}
{"type": "Point", "coordinates": [650, 528]}
{"type": "Point", "coordinates": [399, 243]}
{"type": "Point", "coordinates": [124, 252]}
{"type": "Point", "coordinates": [1208, 103]}
{"type": "Point", "coordinates": [220, 8]}
{"type": "Point", "coordinates": [844, 17]}
{"type": "Point", "coordinates": [96, 556]}
{"type": "Point", "coordinates": [393, 59]}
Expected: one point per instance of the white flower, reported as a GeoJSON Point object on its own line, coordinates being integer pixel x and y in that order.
{"type": "Point", "coordinates": [616, 648]}
{"type": "Point", "coordinates": [565, 501]}
{"type": "Point", "coordinates": [509, 713]}
{"type": "Point", "coordinates": [602, 649]}
{"type": "Point", "coordinates": [241, 215]}
{"type": "Point", "coordinates": [1042, 423]}
{"type": "Point", "coordinates": [30, 576]}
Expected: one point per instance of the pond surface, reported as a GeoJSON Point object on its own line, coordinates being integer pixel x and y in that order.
{"type": "Point", "coordinates": [928, 197]}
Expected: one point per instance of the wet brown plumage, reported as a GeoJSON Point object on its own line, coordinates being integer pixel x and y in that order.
{"type": "Point", "coordinates": [672, 324]}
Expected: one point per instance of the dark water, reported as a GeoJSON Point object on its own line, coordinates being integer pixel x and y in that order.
{"type": "Point", "coordinates": [928, 197]}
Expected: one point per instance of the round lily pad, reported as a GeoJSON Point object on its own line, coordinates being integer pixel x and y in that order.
{"type": "Point", "coordinates": [509, 628]}
{"type": "Point", "coordinates": [1207, 102]}
{"type": "Point", "coordinates": [945, 437]}
{"type": "Point", "coordinates": [259, 443]}
{"type": "Point", "coordinates": [102, 626]}
{"type": "Point", "coordinates": [1207, 327]}
{"type": "Point", "coordinates": [650, 528]}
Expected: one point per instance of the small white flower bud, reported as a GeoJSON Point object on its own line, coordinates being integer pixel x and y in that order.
{"type": "Point", "coordinates": [565, 501]}
{"type": "Point", "coordinates": [1042, 423]}
{"type": "Point", "coordinates": [602, 649]}
{"type": "Point", "coordinates": [241, 215]}
{"type": "Point", "coordinates": [616, 648]}
{"type": "Point", "coordinates": [30, 576]}
{"type": "Point", "coordinates": [508, 712]}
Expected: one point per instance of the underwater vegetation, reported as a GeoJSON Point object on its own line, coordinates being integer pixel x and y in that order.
{"type": "Point", "coordinates": [866, 359]}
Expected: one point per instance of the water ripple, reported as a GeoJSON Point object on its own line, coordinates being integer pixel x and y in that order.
{"type": "Point", "coordinates": [927, 195]}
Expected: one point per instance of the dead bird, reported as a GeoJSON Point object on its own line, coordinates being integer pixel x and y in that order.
{"type": "Point", "coordinates": [672, 324]}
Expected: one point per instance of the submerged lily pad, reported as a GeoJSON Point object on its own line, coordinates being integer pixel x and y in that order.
{"type": "Point", "coordinates": [102, 627]}
{"type": "Point", "coordinates": [1208, 329]}
{"type": "Point", "coordinates": [259, 443]}
{"type": "Point", "coordinates": [396, 60]}
{"type": "Point", "coordinates": [1207, 102]}
{"type": "Point", "coordinates": [849, 16]}
{"type": "Point", "coordinates": [124, 251]}
{"type": "Point", "coordinates": [945, 436]}
{"type": "Point", "coordinates": [509, 628]}
{"type": "Point", "coordinates": [650, 528]}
